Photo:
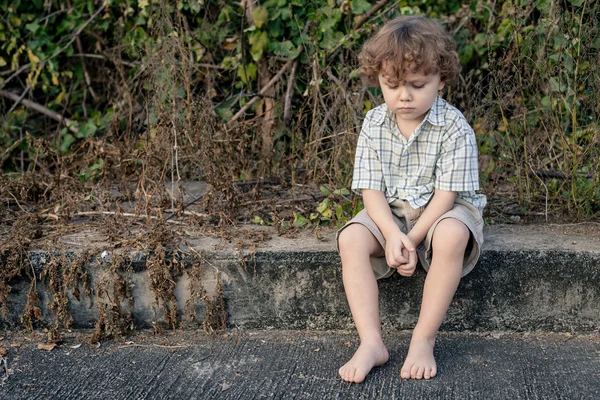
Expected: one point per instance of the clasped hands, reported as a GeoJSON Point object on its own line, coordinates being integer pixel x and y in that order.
{"type": "Point", "coordinates": [401, 253]}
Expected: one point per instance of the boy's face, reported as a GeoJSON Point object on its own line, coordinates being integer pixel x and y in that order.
{"type": "Point", "coordinates": [410, 99]}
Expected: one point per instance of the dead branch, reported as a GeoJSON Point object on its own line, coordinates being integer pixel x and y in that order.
{"type": "Point", "coordinates": [104, 57]}
{"type": "Point", "coordinates": [264, 89]}
{"type": "Point", "coordinates": [10, 149]}
{"type": "Point", "coordinates": [288, 94]}
{"type": "Point", "coordinates": [346, 96]}
{"type": "Point", "coordinates": [368, 15]}
{"type": "Point", "coordinates": [41, 109]}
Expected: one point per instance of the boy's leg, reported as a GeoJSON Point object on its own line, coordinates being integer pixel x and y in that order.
{"type": "Point", "coordinates": [450, 240]}
{"type": "Point", "coordinates": [357, 244]}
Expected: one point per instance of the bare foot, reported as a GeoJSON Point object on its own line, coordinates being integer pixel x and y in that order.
{"type": "Point", "coordinates": [419, 362]}
{"type": "Point", "coordinates": [367, 356]}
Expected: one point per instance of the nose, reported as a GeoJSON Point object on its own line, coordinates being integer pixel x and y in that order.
{"type": "Point", "coordinates": [404, 93]}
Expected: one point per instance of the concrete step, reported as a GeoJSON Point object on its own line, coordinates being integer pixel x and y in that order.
{"type": "Point", "coordinates": [298, 365]}
{"type": "Point", "coordinates": [529, 278]}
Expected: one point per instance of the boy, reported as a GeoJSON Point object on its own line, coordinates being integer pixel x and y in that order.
{"type": "Point", "coordinates": [416, 168]}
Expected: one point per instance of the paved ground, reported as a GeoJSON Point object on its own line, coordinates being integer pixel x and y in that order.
{"type": "Point", "coordinates": [297, 365]}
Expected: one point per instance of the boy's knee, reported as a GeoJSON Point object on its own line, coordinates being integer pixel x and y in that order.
{"type": "Point", "coordinates": [451, 235]}
{"type": "Point", "coordinates": [353, 238]}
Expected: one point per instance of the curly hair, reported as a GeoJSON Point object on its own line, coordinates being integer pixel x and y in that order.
{"type": "Point", "coordinates": [409, 44]}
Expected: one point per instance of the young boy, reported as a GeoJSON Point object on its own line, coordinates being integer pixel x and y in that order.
{"type": "Point", "coordinates": [416, 168]}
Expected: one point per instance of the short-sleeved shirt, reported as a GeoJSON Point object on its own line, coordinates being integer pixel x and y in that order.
{"type": "Point", "coordinates": [441, 153]}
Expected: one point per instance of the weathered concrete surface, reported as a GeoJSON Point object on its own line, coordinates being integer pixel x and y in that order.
{"type": "Point", "coordinates": [301, 365]}
{"type": "Point", "coordinates": [528, 278]}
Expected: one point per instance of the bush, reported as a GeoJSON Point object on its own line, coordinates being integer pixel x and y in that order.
{"type": "Point", "coordinates": [134, 78]}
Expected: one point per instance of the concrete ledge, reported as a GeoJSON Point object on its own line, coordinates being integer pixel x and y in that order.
{"type": "Point", "coordinates": [540, 278]}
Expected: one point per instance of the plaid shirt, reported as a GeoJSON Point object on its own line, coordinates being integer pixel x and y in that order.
{"type": "Point", "coordinates": [441, 153]}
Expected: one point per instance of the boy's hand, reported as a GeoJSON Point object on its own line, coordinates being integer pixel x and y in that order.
{"type": "Point", "coordinates": [400, 253]}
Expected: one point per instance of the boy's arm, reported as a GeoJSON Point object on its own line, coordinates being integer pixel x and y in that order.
{"type": "Point", "coordinates": [441, 203]}
{"type": "Point", "coordinates": [400, 250]}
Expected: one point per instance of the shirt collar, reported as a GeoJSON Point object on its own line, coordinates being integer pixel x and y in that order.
{"type": "Point", "coordinates": [435, 115]}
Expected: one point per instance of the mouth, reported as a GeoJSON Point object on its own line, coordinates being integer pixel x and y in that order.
{"type": "Point", "coordinates": [406, 110]}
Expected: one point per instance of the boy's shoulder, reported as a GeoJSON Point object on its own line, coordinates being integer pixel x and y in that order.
{"type": "Point", "coordinates": [454, 123]}
{"type": "Point", "coordinates": [377, 115]}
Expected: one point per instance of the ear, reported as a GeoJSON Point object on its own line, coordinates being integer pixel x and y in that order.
{"type": "Point", "coordinates": [441, 85]}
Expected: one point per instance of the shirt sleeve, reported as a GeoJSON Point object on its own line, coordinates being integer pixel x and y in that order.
{"type": "Point", "coordinates": [367, 166]}
{"type": "Point", "coordinates": [457, 165]}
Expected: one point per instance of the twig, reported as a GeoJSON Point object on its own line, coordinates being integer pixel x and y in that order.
{"type": "Point", "coordinates": [287, 109]}
{"type": "Point", "coordinates": [558, 174]}
{"type": "Point", "coordinates": [17, 72]}
{"type": "Point", "coordinates": [41, 109]}
{"type": "Point", "coordinates": [268, 85]}
{"type": "Point", "coordinates": [105, 57]}
{"type": "Point", "coordinates": [152, 345]}
{"type": "Point", "coordinates": [56, 53]}
{"type": "Point", "coordinates": [78, 31]}
{"type": "Point", "coordinates": [545, 187]}
{"type": "Point", "coordinates": [265, 88]}
{"type": "Point", "coordinates": [210, 66]}
{"type": "Point", "coordinates": [369, 13]}
{"type": "Point", "coordinates": [328, 114]}
{"type": "Point", "coordinates": [6, 370]}
{"type": "Point", "coordinates": [88, 213]}
{"type": "Point", "coordinates": [288, 94]}
{"type": "Point", "coordinates": [186, 212]}
{"type": "Point", "coordinates": [10, 149]}
{"type": "Point", "coordinates": [19, 204]}
{"type": "Point", "coordinates": [345, 94]}
{"type": "Point", "coordinates": [358, 27]}
{"type": "Point", "coordinates": [88, 81]}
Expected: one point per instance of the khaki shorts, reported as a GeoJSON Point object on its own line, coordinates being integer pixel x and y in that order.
{"type": "Point", "coordinates": [406, 217]}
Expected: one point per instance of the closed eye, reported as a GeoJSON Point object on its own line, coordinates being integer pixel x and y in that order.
{"type": "Point", "coordinates": [419, 86]}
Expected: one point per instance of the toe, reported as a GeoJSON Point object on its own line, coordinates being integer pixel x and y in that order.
{"type": "Point", "coordinates": [433, 371]}
{"type": "Point", "coordinates": [413, 371]}
{"type": "Point", "coordinates": [405, 372]}
{"type": "Point", "coordinates": [420, 372]}
{"type": "Point", "coordinates": [427, 373]}
{"type": "Point", "coordinates": [351, 375]}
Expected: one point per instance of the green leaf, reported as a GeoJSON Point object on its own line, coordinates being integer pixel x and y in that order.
{"type": "Point", "coordinates": [300, 220]}
{"type": "Point", "coordinates": [339, 212]}
{"type": "Point", "coordinates": [342, 192]}
{"type": "Point", "coordinates": [466, 53]}
{"type": "Point", "coordinates": [247, 73]}
{"type": "Point", "coordinates": [32, 27]}
{"type": "Point", "coordinates": [260, 16]}
{"type": "Point", "coordinates": [66, 142]}
{"type": "Point", "coordinates": [546, 102]}
{"type": "Point", "coordinates": [324, 209]}
{"type": "Point", "coordinates": [556, 85]}
{"type": "Point", "coordinates": [260, 43]}
{"type": "Point", "coordinates": [225, 113]}
{"type": "Point", "coordinates": [86, 130]}
{"type": "Point", "coordinates": [543, 6]}
{"type": "Point", "coordinates": [360, 6]}
{"type": "Point", "coordinates": [284, 49]}
{"type": "Point", "coordinates": [325, 191]}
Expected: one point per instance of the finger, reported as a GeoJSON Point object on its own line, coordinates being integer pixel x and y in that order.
{"type": "Point", "coordinates": [405, 254]}
{"type": "Point", "coordinates": [400, 259]}
{"type": "Point", "coordinates": [408, 244]}
{"type": "Point", "coordinates": [391, 262]}
{"type": "Point", "coordinates": [412, 259]}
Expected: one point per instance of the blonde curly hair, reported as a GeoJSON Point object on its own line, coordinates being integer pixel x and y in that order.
{"type": "Point", "coordinates": [409, 44]}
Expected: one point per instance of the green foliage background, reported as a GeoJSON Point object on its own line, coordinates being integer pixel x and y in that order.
{"type": "Point", "coordinates": [122, 71]}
